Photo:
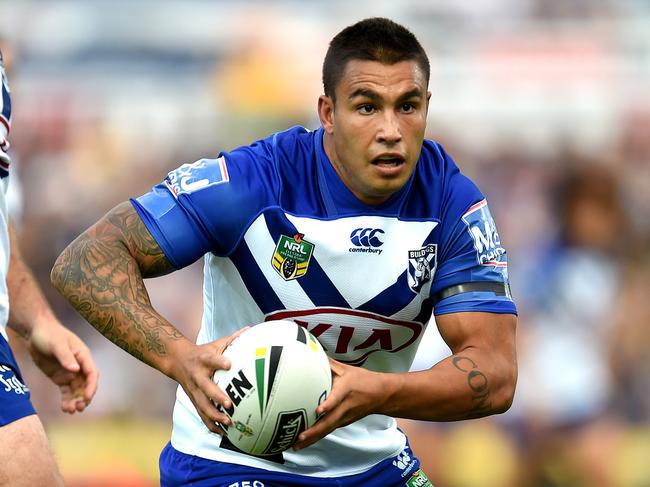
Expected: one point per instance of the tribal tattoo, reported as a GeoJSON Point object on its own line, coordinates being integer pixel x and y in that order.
{"type": "Point", "coordinates": [101, 275]}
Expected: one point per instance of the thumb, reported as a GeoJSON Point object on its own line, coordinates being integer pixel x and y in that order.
{"type": "Point", "coordinates": [65, 356]}
{"type": "Point", "coordinates": [60, 349]}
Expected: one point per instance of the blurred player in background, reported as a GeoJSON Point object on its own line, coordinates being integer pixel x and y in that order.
{"type": "Point", "coordinates": [358, 231]}
{"type": "Point", "coordinates": [25, 456]}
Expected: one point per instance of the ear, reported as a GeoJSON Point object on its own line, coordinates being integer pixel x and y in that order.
{"type": "Point", "coordinates": [428, 99]}
{"type": "Point", "coordinates": [326, 113]}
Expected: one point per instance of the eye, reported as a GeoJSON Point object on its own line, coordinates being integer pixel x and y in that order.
{"type": "Point", "coordinates": [408, 107]}
{"type": "Point", "coordinates": [366, 109]}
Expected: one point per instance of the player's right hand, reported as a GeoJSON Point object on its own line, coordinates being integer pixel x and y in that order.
{"type": "Point", "coordinates": [194, 371]}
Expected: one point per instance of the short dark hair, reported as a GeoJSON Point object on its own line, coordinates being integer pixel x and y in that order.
{"type": "Point", "coordinates": [373, 39]}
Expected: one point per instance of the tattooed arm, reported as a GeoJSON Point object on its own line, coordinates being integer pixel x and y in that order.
{"type": "Point", "coordinates": [101, 274]}
{"type": "Point", "coordinates": [477, 380]}
{"type": "Point", "coordinates": [481, 374]}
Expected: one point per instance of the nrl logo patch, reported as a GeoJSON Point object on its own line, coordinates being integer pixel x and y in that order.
{"type": "Point", "coordinates": [291, 256]}
{"type": "Point", "coordinates": [422, 266]}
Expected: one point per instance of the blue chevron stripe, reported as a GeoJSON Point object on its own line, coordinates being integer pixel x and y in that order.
{"type": "Point", "coordinates": [255, 281]}
{"type": "Point", "coordinates": [318, 287]}
{"type": "Point", "coordinates": [391, 300]}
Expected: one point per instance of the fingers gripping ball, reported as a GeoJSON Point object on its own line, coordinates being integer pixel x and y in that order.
{"type": "Point", "coordinates": [279, 375]}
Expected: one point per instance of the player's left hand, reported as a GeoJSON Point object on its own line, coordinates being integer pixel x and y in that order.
{"type": "Point", "coordinates": [67, 361]}
{"type": "Point", "coordinates": [356, 393]}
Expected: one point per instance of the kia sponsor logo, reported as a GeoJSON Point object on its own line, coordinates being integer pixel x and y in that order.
{"type": "Point", "coordinates": [366, 240]}
{"type": "Point", "coordinates": [351, 336]}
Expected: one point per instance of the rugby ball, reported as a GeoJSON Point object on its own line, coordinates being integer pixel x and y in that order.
{"type": "Point", "coordinates": [279, 374]}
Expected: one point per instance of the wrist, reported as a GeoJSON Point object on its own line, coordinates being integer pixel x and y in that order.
{"type": "Point", "coordinates": [172, 365]}
{"type": "Point", "coordinates": [389, 385]}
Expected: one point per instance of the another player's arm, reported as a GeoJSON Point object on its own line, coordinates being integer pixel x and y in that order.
{"type": "Point", "coordinates": [101, 274]}
{"type": "Point", "coordinates": [60, 354]}
{"type": "Point", "coordinates": [477, 380]}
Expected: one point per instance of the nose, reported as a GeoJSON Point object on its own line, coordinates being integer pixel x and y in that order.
{"type": "Point", "coordinates": [389, 131]}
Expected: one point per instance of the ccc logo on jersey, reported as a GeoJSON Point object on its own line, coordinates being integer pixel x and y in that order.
{"type": "Point", "coordinates": [367, 237]}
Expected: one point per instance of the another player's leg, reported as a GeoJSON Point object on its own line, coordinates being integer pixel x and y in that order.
{"type": "Point", "coordinates": [25, 457]}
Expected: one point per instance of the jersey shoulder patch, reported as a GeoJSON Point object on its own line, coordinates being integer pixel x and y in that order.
{"type": "Point", "coordinates": [198, 175]}
{"type": "Point", "coordinates": [481, 226]}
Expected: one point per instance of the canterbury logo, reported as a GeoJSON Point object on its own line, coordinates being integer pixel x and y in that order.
{"type": "Point", "coordinates": [367, 237]}
{"type": "Point", "coordinates": [402, 461]}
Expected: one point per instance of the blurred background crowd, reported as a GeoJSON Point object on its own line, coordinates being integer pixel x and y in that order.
{"type": "Point", "coordinates": [544, 103]}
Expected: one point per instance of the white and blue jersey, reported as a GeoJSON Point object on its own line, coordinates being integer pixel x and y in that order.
{"type": "Point", "coordinates": [5, 124]}
{"type": "Point", "coordinates": [5, 121]}
{"type": "Point", "coordinates": [284, 238]}
{"type": "Point", "coordinates": [14, 395]}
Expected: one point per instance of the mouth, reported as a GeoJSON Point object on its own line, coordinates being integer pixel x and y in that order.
{"type": "Point", "coordinates": [388, 160]}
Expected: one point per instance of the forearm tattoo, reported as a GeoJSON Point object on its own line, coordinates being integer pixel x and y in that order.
{"type": "Point", "coordinates": [101, 273]}
{"type": "Point", "coordinates": [478, 384]}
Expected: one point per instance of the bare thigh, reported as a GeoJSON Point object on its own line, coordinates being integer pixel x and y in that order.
{"type": "Point", "coordinates": [25, 456]}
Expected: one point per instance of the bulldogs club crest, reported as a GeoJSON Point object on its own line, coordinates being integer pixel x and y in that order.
{"type": "Point", "coordinates": [291, 256]}
{"type": "Point", "coordinates": [422, 266]}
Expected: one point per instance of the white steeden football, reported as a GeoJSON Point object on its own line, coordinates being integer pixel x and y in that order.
{"type": "Point", "coordinates": [279, 374]}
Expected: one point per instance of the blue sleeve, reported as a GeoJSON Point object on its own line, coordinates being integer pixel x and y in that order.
{"type": "Point", "coordinates": [470, 249]}
{"type": "Point", "coordinates": [208, 205]}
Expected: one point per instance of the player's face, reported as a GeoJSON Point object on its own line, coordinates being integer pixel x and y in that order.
{"type": "Point", "coordinates": [374, 130]}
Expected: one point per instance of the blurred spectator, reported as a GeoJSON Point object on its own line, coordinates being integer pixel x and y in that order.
{"type": "Point", "coordinates": [565, 383]}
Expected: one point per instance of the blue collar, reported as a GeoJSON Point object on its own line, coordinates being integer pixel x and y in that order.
{"type": "Point", "coordinates": [337, 197]}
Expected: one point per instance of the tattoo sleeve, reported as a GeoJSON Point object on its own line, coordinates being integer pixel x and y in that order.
{"type": "Point", "coordinates": [101, 275]}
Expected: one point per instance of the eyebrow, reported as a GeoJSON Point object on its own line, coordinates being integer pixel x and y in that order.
{"type": "Point", "coordinates": [414, 93]}
{"type": "Point", "coordinates": [373, 95]}
{"type": "Point", "coordinates": [365, 93]}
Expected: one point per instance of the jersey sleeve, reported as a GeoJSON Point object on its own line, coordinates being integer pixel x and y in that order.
{"type": "Point", "coordinates": [206, 206]}
{"type": "Point", "coordinates": [472, 273]}
{"type": "Point", "coordinates": [5, 121]}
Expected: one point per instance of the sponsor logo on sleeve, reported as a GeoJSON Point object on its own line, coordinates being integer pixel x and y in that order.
{"type": "Point", "coordinates": [292, 255]}
{"type": "Point", "coordinates": [198, 175]}
{"type": "Point", "coordinates": [481, 227]}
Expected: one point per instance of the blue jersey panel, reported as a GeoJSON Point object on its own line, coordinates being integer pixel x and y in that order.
{"type": "Point", "coordinates": [14, 394]}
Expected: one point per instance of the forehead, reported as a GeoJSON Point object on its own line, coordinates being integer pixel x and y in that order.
{"type": "Point", "coordinates": [396, 78]}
